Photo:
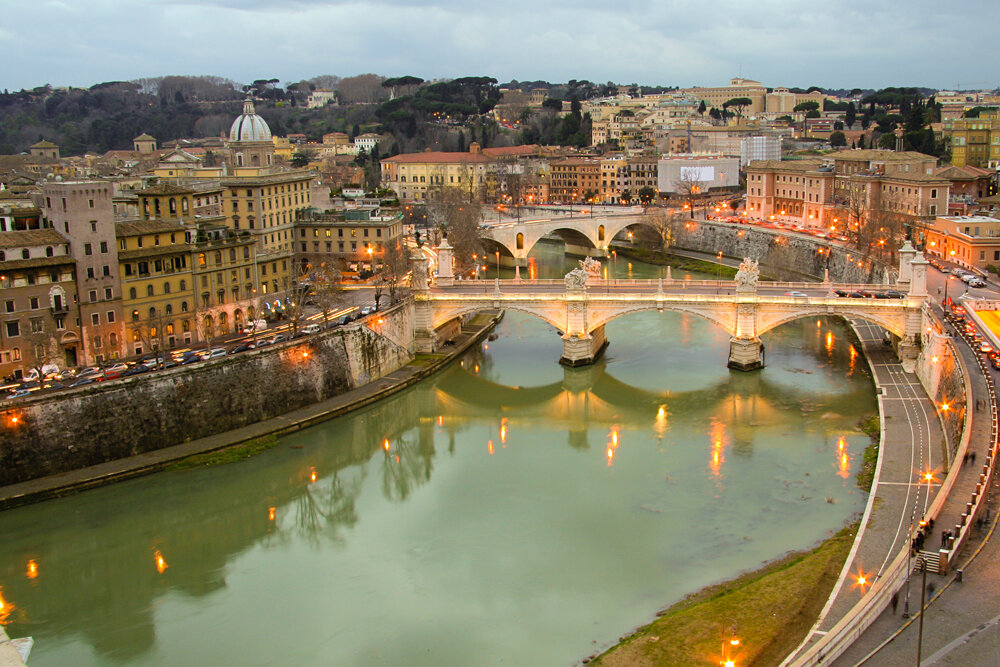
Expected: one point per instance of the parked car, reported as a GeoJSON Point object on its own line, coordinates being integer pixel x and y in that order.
{"type": "Point", "coordinates": [214, 353]}
{"type": "Point", "coordinates": [985, 347]}
{"type": "Point", "coordinates": [242, 347]}
{"type": "Point", "coordinates": [256, 325]}
{"type": "Point", "coordinates": [893, 294]}
{"type": "Point", "coordinates": [280, 338]}
{"type": "Point", "coordinates": [797, 295]}
{"type": "Point", "coordinates": [367, 310]}
{"type": "Point", "coordinates": [977, 282]}
{"type": "Point", "coordinates": [311, 329]}
{"type": "Point", "coordinates": [82, 381]}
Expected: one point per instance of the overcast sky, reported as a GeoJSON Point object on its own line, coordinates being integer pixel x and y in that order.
{"type": "Point", "coordinates": [835, 43]}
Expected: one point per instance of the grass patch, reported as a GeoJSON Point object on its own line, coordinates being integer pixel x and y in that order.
{"type": "Point", "coordinates": [871, 427]}
{"type": "Point", "coordinates": [425, 359]}
{"type": "Point", "coordinates": [678, 262]}
{"type": "Point", "coordinates": [239, 452]}
{"type": "Point", "coordinates": [773, 609]}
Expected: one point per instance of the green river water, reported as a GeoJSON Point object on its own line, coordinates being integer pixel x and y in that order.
{"type": "Point", "coordinates": [507, 511]}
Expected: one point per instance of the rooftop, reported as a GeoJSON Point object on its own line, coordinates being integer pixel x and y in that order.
{"type": "Point", "coordinates": [30, 238]}
{"type": "Point", "coordinates": [137, 227]}
{"type": "Point", "coordinates": [439, 157]}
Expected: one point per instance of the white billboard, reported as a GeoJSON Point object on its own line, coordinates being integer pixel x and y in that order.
{"type": "Point", "coordinates": [697, 174]}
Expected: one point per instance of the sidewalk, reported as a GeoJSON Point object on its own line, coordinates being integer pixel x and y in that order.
{"type": "Point", "coordinates": [911, 441]}
{"type": "Point", "coordinates": [73, 481]}
{"type": "Point", "coordinates": [960, 607]}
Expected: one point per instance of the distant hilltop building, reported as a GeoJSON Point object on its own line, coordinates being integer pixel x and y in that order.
{"type": "Point", "coordinates": [144, 144]}
{"type": "Point", "coordinates": [44, 149]}
{"type": "Point", "coordinates": [320, 98]}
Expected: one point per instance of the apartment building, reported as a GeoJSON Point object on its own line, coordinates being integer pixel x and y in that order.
{"type": "Point", "coordinates": [412, 175]}
{"type": "Point", "coordinates": [82, 212]}
{"type": "Point", "coordinates": [39, 317]}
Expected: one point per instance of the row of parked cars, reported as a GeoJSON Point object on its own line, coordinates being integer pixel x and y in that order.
{"type": "Point", "coordinates": [870, 294]}
{"type": "Point", "coordinates": [72, 378]}
{"type": "Point", "coordinates": [957, 316]}
{"type": "Point", "coordinates": [967, 277]}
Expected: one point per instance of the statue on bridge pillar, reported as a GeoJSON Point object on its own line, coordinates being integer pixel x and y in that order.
{"type": "Point", "coordinates": [746, 351]}
{"type": "Point", "coordinates": [746, 277]}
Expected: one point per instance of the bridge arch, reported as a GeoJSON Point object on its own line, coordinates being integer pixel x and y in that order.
{"type": "Point", "coordinates": [894, 322]}
{"type": "Point", "coordinates": [723, 317]}
{"type": "Point", "coordinates": [445, 313]}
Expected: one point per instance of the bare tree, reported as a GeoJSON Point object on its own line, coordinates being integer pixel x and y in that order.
{"type": "Point", "coordinates": [42, 347]}
{"type": "Point", "coordinates": [327, 291]}
{"type": "Point", "coordinates": [689, 186]}
{"type": "Point", "coordinates": [659, 229]}
{"type": "Point", "coordinates": [150, 332]}
{"type": "Point", "coordinates": [395, 267]}
{"type": "Point", "coordinates": [459, 216]}
{"type": "Point", "coordinates": [296, 295]}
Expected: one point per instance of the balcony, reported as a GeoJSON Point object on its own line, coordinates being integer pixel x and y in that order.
{"type": "Point", "coordinates": [59, 309]}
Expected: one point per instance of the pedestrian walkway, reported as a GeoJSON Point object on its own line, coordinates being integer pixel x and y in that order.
{"type": "Point", "coordinates": [912, 443]}
{"type": "Point", "coordinates": [960, 626]}
{"type": "Point", "coordinates": [73, 481]}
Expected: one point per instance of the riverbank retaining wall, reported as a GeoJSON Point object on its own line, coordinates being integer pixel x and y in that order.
{"type": "Point", "coordinates": [782, 256]}
{"type": "Point", "coordinates": [73, 429]}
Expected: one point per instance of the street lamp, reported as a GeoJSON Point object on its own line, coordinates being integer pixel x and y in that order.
{"type": "Point", "coordinates": [497, 253]}
{"type": "Point", "coordinates": [729, 642]}
{"type": "Point", "coordinates": [719, 264]}
{"type": "Point", "coordinates": [946, 282]}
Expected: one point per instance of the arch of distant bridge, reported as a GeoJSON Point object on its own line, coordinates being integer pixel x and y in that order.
{"type": "Point", "coordinates": [519, 238]}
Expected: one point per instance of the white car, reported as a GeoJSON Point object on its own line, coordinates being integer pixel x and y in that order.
{"type": "Point", "coordinates": [798, 295]}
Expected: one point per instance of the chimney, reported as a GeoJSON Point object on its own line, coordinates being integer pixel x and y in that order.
{"type": "Point", "coordinates": [474, 147]}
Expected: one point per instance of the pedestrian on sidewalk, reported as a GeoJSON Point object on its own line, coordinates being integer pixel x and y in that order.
{"type": "Point", "coordinates": [895, 602]}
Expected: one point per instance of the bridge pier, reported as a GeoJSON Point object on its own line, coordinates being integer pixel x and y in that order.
{"type": "Point", "coordinates": [746, 354]}
{"type": "Point", "coordinates": [583, 349]}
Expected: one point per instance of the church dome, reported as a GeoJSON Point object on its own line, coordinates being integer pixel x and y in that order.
{"type": "Point", "coordinates": [249, 126]}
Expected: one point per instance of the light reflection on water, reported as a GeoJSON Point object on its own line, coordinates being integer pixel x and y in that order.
{"type": "Point", "coordinates": [507, 510]}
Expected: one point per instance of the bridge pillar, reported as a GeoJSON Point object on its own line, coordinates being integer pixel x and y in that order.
{"type": "Point", "coordinates": [446, 276]}
{"type": "Point", "coordinates": [580, 349]}
{"type": "Point", "coordinates": [909, 345]}
{"type": "Point", "coordinates": [425, 340]}
{"type": "Point", "coordinates": [746, 354]}
{"type": "Point", "coordinates": [906, 254]}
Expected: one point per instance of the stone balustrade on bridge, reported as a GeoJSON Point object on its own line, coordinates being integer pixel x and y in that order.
{"type": "Point", "coordinates": [581, 305]}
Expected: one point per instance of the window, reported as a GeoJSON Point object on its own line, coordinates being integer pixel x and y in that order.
{"type": "Point", "coordinates": [95, 319]}
{"type": "Point", "coordinates": [9, 305]}
{"type": "Point", "coordinates": [88, 249]}
{"type": "Point", "coordinates": [934, 193]}
{"type": "Point", "coordinates": [90, 272]}
{"type": "Point", "coordinates": [93, 296]}
{"type": "Point", "coordinates": [25, 254]}
{"type": "Point", "coordinates": [36, 325]}
{"type": "Point", "coordinates": [111, 317]}
{"type": "Point", "coordinates": [135, 315]}
{"type": "Point", "coordinates": [34, 303]}
{"type": "Point", "coordinates": [106, 270]}
{"type": "Point", "coordinates": [166, 287]}
{"type": "Point", "coordinates": [108, 294]}
{"type": "Point", "coordinates": [149, 290]}
{"type": "Point", "coordinates": [132, 293]}
{"type": "Point", "coordinates": [13, 329]}
{"type": "Point", "coordinates": [184, 307]}
{"type": "Point", "coordinates": [183, 285]}
{"type": "Point", "coordinates": [104, 246]}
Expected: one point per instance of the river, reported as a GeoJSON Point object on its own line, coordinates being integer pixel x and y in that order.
{"type": "Point", "coordinates": [506, 511]}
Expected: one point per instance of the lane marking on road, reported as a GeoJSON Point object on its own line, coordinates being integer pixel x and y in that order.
{"type": "Point", "coordinates": [959, 641]}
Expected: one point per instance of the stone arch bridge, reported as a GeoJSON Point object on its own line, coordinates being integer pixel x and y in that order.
{"type": "Point", "coordinates": [580, 306]}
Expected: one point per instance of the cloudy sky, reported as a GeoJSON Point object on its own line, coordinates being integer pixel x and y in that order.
{"type": "Point", "coordinates": [836, 43]}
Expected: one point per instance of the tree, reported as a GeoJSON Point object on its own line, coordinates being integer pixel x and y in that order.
{"type": "Point", "coordinates": [808, 105]}
{"type": "Point", "coordinates": [299, 290]}
{"type": "Point", "coordinates": [626, 197]}
{"type": "Point", "coordinates": [42, 346]}
{"type": "Point", "coordinates": [395, 267]}
{"type": "Point", "coordinates": [658, 230]}
{"type": "Point", "coordinates": [302, 157]}
{"type": "Point", "coordinates": [701, 108]}
{"type": "Point", "coordinates": [647, 194]}
{"type": "Point", "coordinates": [327, 291]}
{"type": "Point", "coordinates": [459, 214]}
{"type": "Point", "coordinates": [851, 115]}
{"type": "Point", "coordinates": [688, 185]}
{"type": "Point", "coordinates": [838, 125]}
{"type": "Point", "coordinates": [739, 104]}
{"type": "Point", "coordinates": [838, 139]}
{"type": "Point", "coordinates": [887, 141]}
{"type": "Point", "coordinates": [814, 113]}
{"type": "Point", "coordinates": [151, 332]}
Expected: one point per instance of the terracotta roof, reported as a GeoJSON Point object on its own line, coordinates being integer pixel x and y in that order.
{"type": "Point", "coordinates": [144, 137]}
{"type": "Point", "coordinates": [791, 165]}
{"type": "Point", "coordinates": [155, 251]}
{"type": "Point", "coordinates": [439, 157]}
{"type": "Point", "coordinates": [30, 238]}
{"type": "Point", "coordinates": [165, 189]}
{"type": "Point", "coordinates": [881, 155]}
{"type": "Point", "coordinates": [37, 261]}
{"type": "Point", "coordinates": [966, 173]}
{"type": "Point", "coordinates": [44, 144]}
{"type": "Point", "coordinates": [509, 151]}
{"type": "Point", "coordinates": [136, 227]}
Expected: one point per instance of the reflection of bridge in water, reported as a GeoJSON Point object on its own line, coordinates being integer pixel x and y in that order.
{"type": "Point", "coordinates": [579, 308]}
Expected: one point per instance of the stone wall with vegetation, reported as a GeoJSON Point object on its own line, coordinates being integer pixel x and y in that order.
{"type": "Point", "coordinates": [781, 256]}
{"type": "Point", "coordinates": [102, 422]}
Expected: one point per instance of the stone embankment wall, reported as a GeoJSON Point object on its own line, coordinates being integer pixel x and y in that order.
{"type": "Point", "coordinates": [102, 422]}
{"type": "Point", "coordinates": [790, 257]}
